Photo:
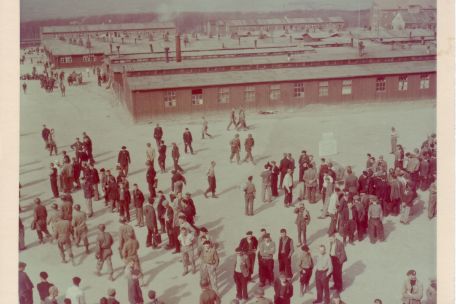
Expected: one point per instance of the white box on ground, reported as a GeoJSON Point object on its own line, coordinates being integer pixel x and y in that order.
{"type": "Point", "coordinates": [327, 145]}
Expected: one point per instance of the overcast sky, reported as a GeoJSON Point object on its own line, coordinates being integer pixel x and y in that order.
{"type": "Point", "coordinates": [49, 9]}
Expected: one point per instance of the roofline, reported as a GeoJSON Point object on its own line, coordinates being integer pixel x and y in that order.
{"type": "Point", "coordinates": [284, 81]}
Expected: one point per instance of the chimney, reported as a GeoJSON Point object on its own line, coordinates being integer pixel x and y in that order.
{"type": "Point", "coordinates": [178, 49]}
{"type": "Point", "coordinates": [167, 54]}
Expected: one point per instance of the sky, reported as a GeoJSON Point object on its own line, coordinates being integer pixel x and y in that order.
{"type": "Point", "coordinates": [50, 9]}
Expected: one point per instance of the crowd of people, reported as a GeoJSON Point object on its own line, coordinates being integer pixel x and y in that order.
{"type": "Point", "coordinates": [356, 206]}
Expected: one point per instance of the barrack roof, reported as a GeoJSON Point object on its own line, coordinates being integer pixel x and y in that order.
{"type": "Point", "coordinates": [404, 4]}
{"type": "Point", "coordinates": [62, 48]}
{"type": "Point", "coordinates": [161, 82]}
{"type": "Point", "coordinates": [106, 27]}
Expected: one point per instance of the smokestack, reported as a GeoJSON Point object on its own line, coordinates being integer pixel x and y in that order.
{"type": "Point", "coordinates": [178, 49]}
{"type": "Point", "coordinates": [167, 54]}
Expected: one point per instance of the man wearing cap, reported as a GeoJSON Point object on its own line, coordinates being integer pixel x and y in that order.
{"type": "Point", "coordinates": [248, 146]}
{"type": "Point", "coordinates": [375, 225]}
{"type": "Point", "coordinates": [112, 296]}
{"type": "Point", "coordinates": [283, 290]}
{"type": "Point", "coordinates": [241, 275]}
{"type": "Point", "coordinates": [40, 219]}
{"type": "Point", "coordinates": [104, 250]}
{"type": "Point", "coordinates": [249, 196]}
{"type": "Point", "coordinates": [125, 230]}
{"type": "Point", "coordinates": [208, 295]}
{"type": "Point", "coordinates": [301, 221]}
{"type": "Point", "coordinates": [266, 184]}
{"type": "Point", "coordinates": [188, 139]}
{"type": "Point", "coordinates": [412, 290]}
{"type": "Point", "coordinates": [187, 240]}
{"type": "Point", "coordinates": [209, 263]}
{"type": "Point", "coordinates": [266, 253]}
{"type": "Point", "coordinates": [138, 201]}
{"type": "Point", "coordinates": [286, 250]}
{"type": "Point", "coordinates": [211, 180]}
{"type": "Point", "coordinates": [249, 245]}
{"type": "Point", "coordinates": [80, 227]}
{"type": "Point", "coordinates": [134, 289]}
{"type": "Point", "coordinates": [25, 286]}
{"type": "Point", "coordinates": [338, 258]}
{"type": "Point", "coordinates": [235, 144]}
{"type": "Point", "coordinates": [63, 232]}
{"type": "Point", "coordinates": [158, 134]}
{"type": "Point", "coordinates": [123, 159]}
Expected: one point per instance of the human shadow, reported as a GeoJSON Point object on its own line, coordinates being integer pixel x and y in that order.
{"type": "Point", "coordinates": [200, 150]}
{"type": "Point", "coordinates": [30, 163]}
{"type": "Point", "coordinates": [136, 172]}
{"type": "Point", "coordinates": [416, 210]}
{"type": "Point", "coordinates": [31, 170]}
{"type": "Point", "coordinates": [349, 275]}
{"type": "Point", "coordinates": [315, 236]}
{"type": "Point", "coordinates": [225, 277]}
{"type": "Point", "coordinates": [102, 154]}
{"type": "Point", "coordinates": [263, 207]}
{"type": "Point", "coordinates": [227, 190]}
{"type": "Point", "coordinates": [388, 227]}
{"type": "Point", "coordinates": [24, 198]}
{"type": "Point", "coordinates": [195, 167]}
{"type": "Point", "coordinates": [105, 159]}
{"type": "Point", "coordinates": [259, 159]}
{"type": "Point", "coordinates": [172, 294]}
{"type": "Point", "coordinates": [155, 270]}
{"type": "Point", "coordinates": [38, 181]}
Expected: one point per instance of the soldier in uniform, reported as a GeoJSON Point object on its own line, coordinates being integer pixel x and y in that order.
{"type": "Point", "coordinates": [104, 251]}
{"type": "Point", "coordinates": [235, 144]}
{"type": "Point", "coordinates": [80, 228]}
{"type": "Point", "coordinates": [63, 231]}
{"type": "Point", "coordinates": [248, 145]}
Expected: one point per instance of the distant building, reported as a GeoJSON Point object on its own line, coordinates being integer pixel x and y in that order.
{"type": "Point", "coordinates": [215, 28]}
{"type": "Point", "coordinates": [413, 14]}
{"type": "Point", "coordinates": [65, 55]}
{"type": "Point", "coordinates": [109, 30]}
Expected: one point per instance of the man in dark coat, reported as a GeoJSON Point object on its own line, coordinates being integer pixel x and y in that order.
{"type": "Point", "coordinates": [158, 135]}
{"type": "Point", "coordinates": [303, 164]}
{"type": "Point", "coordinates": [53, 180]}
{"type": "Point", "coordinates": [123, 159]}
{"type": "Point", "coordinates": [151, 224]}
{"type": "Point", "coordinates": [95, 180]}
{"type": "Point", "coordinates": [45, 134]}
{"type": "Point", "coordinates": [104, 250]}
{"type": "Point", "coordinates": [76, 166]}
{"type": "Point", "coordinates": [134, 290]}
{"type": "Point", "coordinates": [150, 178]}
{"type": "Point", "coordinates": [283, 290]}
{"type": "Point", "coordinates": [138, 201]}
{"type": "Point", "coordinates": [169, 223]}
{"type": "Point", "coordinates": [284, 165]}
{"type": "Point", "coordinates": [338, 258]}
{"type": "Point", "coordinates": [188, 139]}
{"type": "Point", "coordinates": [124, 201]}
{"type": "Point", "coordinates": [162, 156]}
{"type": "Point", "coordinates": [40, 219]}
{"type": "Point", "coordinates": [363, 182]}
{"type": "Point", "coordinates": [25, 286]}
{"type": "Point", "coordinates": [248, 146]}
{"type": "Point", "coordinates": [176, 155]}
{"type": "Point", "coordinates": [249, 245]}
{"type": "Point", "coordinates": [349, 218]}
{"type": "Point", "coordinates": [285, 252]}
{"type": "Point", "coordinates": [77, 146]}
{"type": "Point", "coordinates": [275, 171]}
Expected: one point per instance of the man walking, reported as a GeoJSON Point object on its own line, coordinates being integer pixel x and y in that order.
{"type": "Point", "coordinates": [248, 146]}
{"type": "Point", "coordinates": [53, 180]}
{"type": "Point", "coordinates": [286, 250]}
{"type": "Point", "coordinates": [162, 156]}
{"type": "Point", "coordinates": [338, 258]}
{"type": "Point", "coordinates": [188, 139]}
{"type": "Point", "coordinates": [393, 140]}
{"type": "Point", "coordinates": [123, 159]}
{"type": "Point", "coordinates": [25, 286]}
{"type": "Point", "coordinates": [235, 144]}
{"type": "Point", "coordinates": [45, 135]}
{"type": "Point", "coordinates": [158, 135]}
{"type": "Point", "coordinates": [323, 272]}
{"type": "Point", "coordinates": [138, 201]}
{"type": "Point", "coordinates": [266, 184]}
{"type": "Point", "coordinates": [375, 225]}
{"type": "Point", "coordinates": [205, 127]}
{"type": "Point", "coordinates": [40, 220]}
{"type": "Point", "coordinates": [275, 171]}
{"type": "Point", "coordinates": [249, 196]}
{"type": "Point", "coordinates": [104, 251]}
{"type": "Point", "coordinates": [232, 119]}
{"type": "Point", "coordinates": [80, 227]}
{"type": "Point", "coordinates": [211, 180]}
{"type": "Point", "coordinates": [63, 232]}
{"type": "Point", "coordinates": [176, 155]}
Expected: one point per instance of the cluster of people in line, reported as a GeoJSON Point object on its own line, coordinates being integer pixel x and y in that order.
{"type": "Point", "coordinates": [356, 206]}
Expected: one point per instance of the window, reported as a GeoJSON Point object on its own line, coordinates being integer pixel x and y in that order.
{"type": "Point", "coordinates": [323, 88]}
{"type": "Point", "coordinates": [403, 83]}
{"type": "Point", "coordinates": [224, 95]}
{"type": "Point", "coordinates": [274, 93]}
{"type": "Point", "coordinates": [88, 58]}
{"type": "Point", "coordinates": [380, 85]}
{"type": "Point", "coordinates": [197, 97]}
{"type": "Point", "coordinates": [249, 94]}
{"type": "Point", "coordinates": [346, 87]}
{"type": "Point", "coordinates": [66, 59]}
{"type": "Point", "coordinates": [424, 82]}
{"type": "Point", "coordinates": [170, 99]}
{"type": "Point", "coordinates": [299, 90]}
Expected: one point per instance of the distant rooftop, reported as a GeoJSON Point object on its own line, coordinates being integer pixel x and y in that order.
{"type": "Point", "coordinates": [282, 21]}
{"type": "Point", "coordinates": [106, 27]}
{"type": "Point", "coordinates": [62, 48]}
{"type": "Point", "coordinates": [159, 82]}
{"type": "Point", "coordinates": [404, 4]}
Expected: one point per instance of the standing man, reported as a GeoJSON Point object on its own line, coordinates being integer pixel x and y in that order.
{"type": "Point", "coordinates": [130, 252]}
{"type": "Point", "coordinates": [63, 232]}
{"type": "Point", "coordinates": [232, 119]}
{"type": "Point", "coordinates": [151, 224]}
{"type": "Point", "coordinates": [176, 155]}
{"type": "Point", "coordinates": [208, 295]}
{"type": "Point", "coordinates": [134, 289]}
{"type": "Point", "coordinates": [235, 144]}
{"type": "Point", "coordinates": [25, 286]}
{"type": "Point", "coordinates": [205, 127]}
{"type": "Point", "coordinates": [284, 165]}
{"type": "Point", "coordinates": [125, 230]}
{"type": "Point", "coordinates": [151, 178]}
{"type": "Point", "coordinates": [375, 225]}
{"type": "Point", "coordinates": [104, 250]}
{"type": "Point", "coordinates": [40, 220]}
{"type": "Point", "coordinates": [45, 135]}
{"type": "Point", "coordinates": [248, 146]}
{"type": "Point", "coordinates": [266, 184]}
{"type": "Point", "coordinates": [124, 201]}
{"type": "Point", "coordinates": [158, 135]}
{"type": "Point", "coordinates": [162, 156]}
{"type": "Point", "coordinates": [209, 264]}
{"type": "Point", "coordinates": [249, 245]}
{"type": "Point", "coordinates": [249, 196]}
{"type": "Point", "coordinates": [338, 258]}
{"type": "Point", "coordinates": [150, 154]}
{"type": "Point", "coordinates": [186, 240]}
{"type": "Point", "coordinates": [286, 250]}
{"type": "Point", "coordinates": [283, 290]}
{"type": "Point", "coordinates": [302, 220]}
{"type": "Point", "coordinates": [112, 190]}
{"type": "Point", "coordinates": [349, 218]}
{"type": "Point", "coordinates": [138, 201]}
{"type": "Point", "coordinates": [80, 228]}
{"type": "Point", "coordinates": [241, 275]}
{"type": "Point", "coordinates": [44, 286]}
{"type": "Point", "coordinates": [266, 252]}
{"type": "Point", "coordinates": [211, 180]}
{"type": "Point", "coordinates": [323, 272]}
{"type": "Point", "coordinates": [188, 139]}
{"type": "Point", "coordinates": [169, 223]}
{"type": "Point", "coordinates": [88, 195]}
{"type": "Point", "coordinates": [275, 171]}
{"type": "Point", "coordinates": [53, 180]}
{"type": "Point", "coordinates": [123, 159]}
{"type": "Point", "coordinates": [412, 291]}
{"type": "Point", "coordinates": [75, 293]}
{"type": "Point", "coordinates": [393, 140]}
{"type": "Point", "coordinates": [95, 180]}
{"type": "Point", "coordinates": [324, 168]}
{"type": "Point", "coordinates": [432, 202]}
{"type": "Point", "coordinates": [288, 188]}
